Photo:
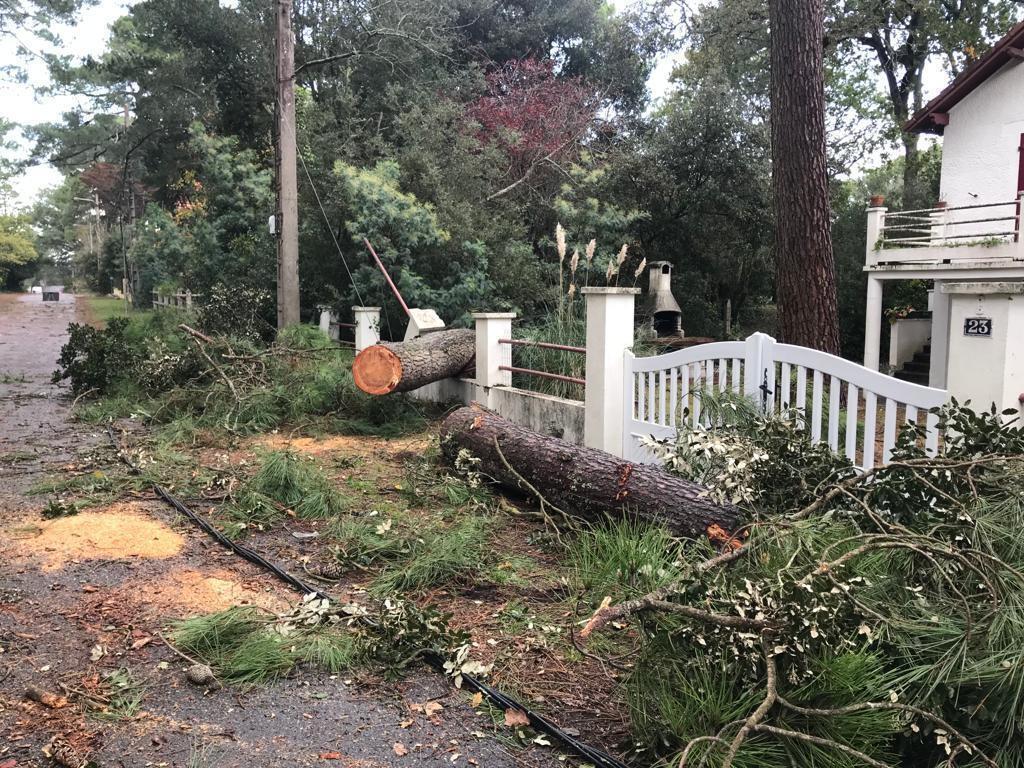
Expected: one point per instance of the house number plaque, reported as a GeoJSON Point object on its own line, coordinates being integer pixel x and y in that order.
{"type": "Point", "coordinates": [978, 326]}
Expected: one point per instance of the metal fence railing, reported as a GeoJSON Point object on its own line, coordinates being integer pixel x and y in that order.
{"type": "Point", "coordinates": [539, 373]}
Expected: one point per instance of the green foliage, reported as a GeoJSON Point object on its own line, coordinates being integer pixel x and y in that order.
{"type": "Point", "coordinates": [239, 311]}
{"type": "Point", "coordinates": [215, 233]}
{"type": "Point", "coordinates": [365, 541]}
{"type": "Point", "coordinates": [417, 250]}
{"type": "Point", "coordinates": [285, 481]}
{"type": "Point", "coordinates": [17, 247]}
{"type": "Point", "coordinates": [95, 360]}
{"type": "Point", "coordinates": [148, 366]}
{"type": "Point", "coordinates": [623, 558]}
{"type": "Point", "coordinates": [896, 588]}
{"type": "Point", "coordinates": [440, 557]}
{"type": "Point", "coordinates": [237, 645]}
{"type": "Point", "coordinates": [57, 508]}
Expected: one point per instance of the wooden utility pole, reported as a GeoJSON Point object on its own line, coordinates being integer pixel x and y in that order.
{"type": "Point", "coordinates": [287, 177]}
{"type": "Point", "coordinates": [805, 272]}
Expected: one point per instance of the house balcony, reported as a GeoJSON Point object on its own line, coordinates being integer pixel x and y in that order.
{"type": "Point", "coordinates": [957, 240]}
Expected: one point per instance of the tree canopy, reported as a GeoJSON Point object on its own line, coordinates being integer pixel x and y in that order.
{"type": "Point", "coordinates": [455, 134]}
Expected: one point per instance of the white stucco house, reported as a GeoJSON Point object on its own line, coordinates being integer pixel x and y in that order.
{"type": "Point", "coordinates": [970, 243]}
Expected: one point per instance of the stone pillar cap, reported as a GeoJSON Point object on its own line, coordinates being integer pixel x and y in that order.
{"type": "Point", "coordinates": [366, 309]}
{"type": "Point", "coordinates": [599, 290]}
{"type": "Point", "coordinates": [493, 315]}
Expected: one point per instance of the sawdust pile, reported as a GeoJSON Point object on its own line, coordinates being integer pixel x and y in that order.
{"type": "Point", "coordinates": [345, 445]}
{"type": "Point", "coordinates": [194, 591]}
{"type": "Point", "coordinates": [118, 532]}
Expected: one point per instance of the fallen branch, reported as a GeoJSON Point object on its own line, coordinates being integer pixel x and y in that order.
{"type": "Point", "coordinates": [606, 614]}
{"type": "Point", "coordinates": [759, 714]}
{"type": "Point", "coordinates": [47, 699]}
{"type": "Point", "coordinates": [896, 707]}
{"type": "Point", "coordinates": [819, 741]}
{"type": "Point", "coordinates": [196, 336]}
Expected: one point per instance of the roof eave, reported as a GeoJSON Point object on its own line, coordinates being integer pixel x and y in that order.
{"type": "Point", "coordinates": [1004, 51]}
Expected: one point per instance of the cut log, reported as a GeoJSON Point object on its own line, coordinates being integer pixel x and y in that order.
{"type": "Point", "coordinates": [402, 366]}
{"type": "Point", "coordinates": [585, 482]}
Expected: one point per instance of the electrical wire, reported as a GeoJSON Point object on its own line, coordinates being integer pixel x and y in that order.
{"type": "Point", "coordinates": [433, 658]}
{"type": "Point", "coordinates": [323, 211]}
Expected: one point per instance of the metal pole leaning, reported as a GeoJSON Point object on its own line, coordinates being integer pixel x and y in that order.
{"type": "Point", "coordinates": [394, 288]}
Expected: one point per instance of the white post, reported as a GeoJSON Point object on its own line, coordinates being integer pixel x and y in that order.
{"type": "Point", "coordinates": [876, 225]}
{"type": "Point", "coordinates": [188, 299]}
{"type": "Point", "coordinates": [325, 321]}
{"type": "Point", "coordinates": [609, 334]}
{"type": "Point", "coordinates": [491, 354]}
{"type": "Point", "coordinates": [759, 369]}
{"type": "Point", "coordinates": [367, 326]}
{"type": "Point", "coordinates": [1019, 237]}
{"type": "Point", "coordinates": [939, 217]}
{"type": "Point", "coordinates": [938, 368]}
{"type": "Point", "coordinates": [873, 324]}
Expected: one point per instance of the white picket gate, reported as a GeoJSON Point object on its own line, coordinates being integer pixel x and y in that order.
{"type": "Point", "coordinates": [663, 390]}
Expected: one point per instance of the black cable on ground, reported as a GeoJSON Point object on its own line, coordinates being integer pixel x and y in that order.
{"type": "Point", "coordinates": [538, 722]}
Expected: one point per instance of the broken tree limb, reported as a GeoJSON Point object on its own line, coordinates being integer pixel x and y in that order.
{"type": "Point", "coordinates": [585, 482]}
{"type": "Point", "coordinates": [402, 366]}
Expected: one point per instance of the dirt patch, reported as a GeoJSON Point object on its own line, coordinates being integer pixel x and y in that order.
{"type": "Point", "coordinates": [119, 532]}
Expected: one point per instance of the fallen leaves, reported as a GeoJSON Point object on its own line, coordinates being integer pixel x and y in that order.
{"type": "Point", "coordinates": [400, 749]}
{"type": "Point", "coordinates": [516, 718]}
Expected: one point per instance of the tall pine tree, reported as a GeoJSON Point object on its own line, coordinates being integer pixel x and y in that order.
{"type": "Point", "coordinates": [805, 274]}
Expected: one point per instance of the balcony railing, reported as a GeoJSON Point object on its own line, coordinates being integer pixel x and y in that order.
{"type": "Point", "coordinates": [958, 225]}
{"type": "Point", "coordinates": [985, 231]}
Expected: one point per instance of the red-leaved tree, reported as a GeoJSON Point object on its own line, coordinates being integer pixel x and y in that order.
{"type": "Point", "coordinates": [533, 116]}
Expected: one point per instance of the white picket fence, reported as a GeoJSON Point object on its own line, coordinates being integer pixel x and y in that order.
{"type": "Point", "coordinates": [839, 402]}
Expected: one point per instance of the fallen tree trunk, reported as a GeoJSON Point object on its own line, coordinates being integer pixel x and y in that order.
{"type": "Point", "coordinates": [402, 366]}
{"type": "Point", "coordinates": [585, 482]}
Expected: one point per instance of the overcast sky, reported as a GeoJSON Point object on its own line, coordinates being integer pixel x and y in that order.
{"type": "Point", "coordinates": [19, 103]}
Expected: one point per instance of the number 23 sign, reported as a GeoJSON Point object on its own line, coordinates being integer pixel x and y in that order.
{"type": "Point", "coordinates": [978, 326]}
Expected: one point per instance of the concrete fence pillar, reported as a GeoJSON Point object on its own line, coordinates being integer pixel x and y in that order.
{"type": "Point", "coordinates": [188, 299]}
{"type": "Point", "coordinates": [367, 326]}
{"type": "Point", "coordinates": [326, 317]}
{"type": "Point", "coordinates": [491, 354]}
{"type": "Point", "coordinates": [610, 314]}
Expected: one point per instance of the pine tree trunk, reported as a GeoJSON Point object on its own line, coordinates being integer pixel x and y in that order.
{"type": "Point", "coordinates": [406, 365]}
{"type": "Point", "coordinates": [913, 190]}
{"type": "Point", "coordinates": [805, 274]}
{"type": "Point", "coordinates": [584, 482]}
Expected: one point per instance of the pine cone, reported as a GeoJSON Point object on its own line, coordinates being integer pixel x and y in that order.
{"type": "Point", "coordinates": [200, 674]}
{"type": "Point", "coordinates": [330, 570]}
{"type": "Point", "coordinates": [63, 754]}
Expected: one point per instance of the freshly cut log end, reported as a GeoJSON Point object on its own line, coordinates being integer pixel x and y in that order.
{"type": "Point", "coordinates": [406, 365]}
{"type": "Point", "coordinates": [377, 370]}
{"type": "Point", "coordinates": [585, 482]}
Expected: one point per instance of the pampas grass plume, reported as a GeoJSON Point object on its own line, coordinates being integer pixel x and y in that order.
{"type": "Point", "coordinates": [560, 242]}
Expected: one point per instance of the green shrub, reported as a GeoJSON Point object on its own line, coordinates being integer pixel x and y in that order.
{"type": "Point", "coordinates": [96, 360]}
{"type": "Point", "coordinates": [238, 311]}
